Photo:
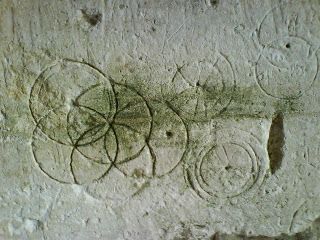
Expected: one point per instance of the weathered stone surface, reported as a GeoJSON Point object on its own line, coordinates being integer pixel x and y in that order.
{"type": "Point", "coordinates": [154, 119]}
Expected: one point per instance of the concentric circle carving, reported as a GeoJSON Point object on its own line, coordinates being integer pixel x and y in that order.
{"type": "Point", "coordinates": [229, 168]}
{"type": "Point", "coordinates": [286, 68]}
{"type": "Point", "coordinates": [287, 65]}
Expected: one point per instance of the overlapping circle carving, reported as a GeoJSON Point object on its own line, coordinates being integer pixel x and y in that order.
{"type": "Point", "coordinates": [87, 125]}
{"type": "Point", "coordinates": [212, 92]}
{"type": "Point", "coordinates": [287, 65]}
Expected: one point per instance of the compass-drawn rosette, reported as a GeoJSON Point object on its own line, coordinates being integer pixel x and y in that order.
{"type": "Point", "coordinates": [210, 93]}
{"type": "Point", "coordinates": [233, 165]}
{"type": "Point", "coordinates": [87, 126]}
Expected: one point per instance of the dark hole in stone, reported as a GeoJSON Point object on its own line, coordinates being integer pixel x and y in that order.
{"type": "Point", "coordinates": [169, 134]}
{"type": "Point", "coordinates": [92, 17]}
{"type": "Point", "coordinates": [215, 237]}
{"type": "Point", "coordinates": [288, 45]}
{"type": "Point", "coordinates": [214, 2]}
{"type": "Point", "coordinates": [276, 143]}
{"type": "Point", "coordinates": [227, 167]}
{"type": "Point", "coordinates": [197, 84]}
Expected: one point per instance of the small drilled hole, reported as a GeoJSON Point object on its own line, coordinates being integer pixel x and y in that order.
{"type": "Point", "coordinates": [169, 134]}
{"type": "Point", "coordinates": [91, 16]}
{"type": "Point", "coordinates": [288, 45]}
{"type": "Point", "coordinates": [227, 167]}
{"type": "Point", "coordinates": [214, 2]}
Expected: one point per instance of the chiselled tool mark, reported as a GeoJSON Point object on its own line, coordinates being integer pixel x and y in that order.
{"type": "Point", "coordinates": [210, 94]}
{"type": "Point", "coordinates": [287, 66]}
{"type": "Point", "coordinates": [231, 167]}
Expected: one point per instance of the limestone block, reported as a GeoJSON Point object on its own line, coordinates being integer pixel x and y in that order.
{"type": "Point", "coordinates": [185, 119]}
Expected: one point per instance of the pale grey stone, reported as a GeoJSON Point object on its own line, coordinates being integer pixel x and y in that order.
{"type": "Point", "coordinates": [187, 119]}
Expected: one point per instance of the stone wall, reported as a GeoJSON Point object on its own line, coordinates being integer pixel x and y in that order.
{"type": "Point", "coordinates": [159, 119]}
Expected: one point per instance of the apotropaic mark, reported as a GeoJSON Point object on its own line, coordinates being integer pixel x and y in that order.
{"type": "Point", "coordinates": [210, 93]}
{"type": "Point", "coordinates": [105, 123]}
{"type": "Point", "coordinates": [168, 139]}
{"type": "Point", "coordinates": [232, 166]}
{"type": "Point", "coordinates": [54, 93]}
{"type": "Point", "coordinates": [286, 67]}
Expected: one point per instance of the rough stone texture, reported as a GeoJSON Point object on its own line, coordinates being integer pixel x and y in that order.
{"type": "Point", "coordinates": [187, 119]}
